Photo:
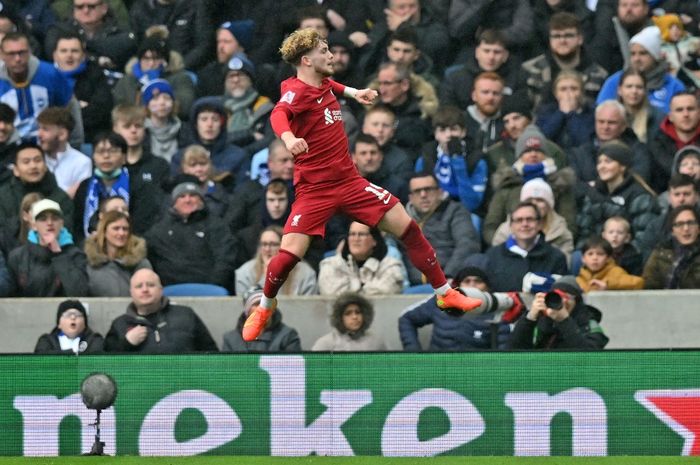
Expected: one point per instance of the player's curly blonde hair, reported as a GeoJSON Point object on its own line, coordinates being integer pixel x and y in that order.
{"type": "Point", "coordinates": [299, 43]}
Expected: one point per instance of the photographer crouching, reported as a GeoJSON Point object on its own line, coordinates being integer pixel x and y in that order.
{"type": "Point", "coordinates": [559, 319]}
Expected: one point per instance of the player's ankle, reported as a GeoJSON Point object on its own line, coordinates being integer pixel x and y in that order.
{"type": "Point", "coordinates": [267, 302]}
{"type": "Point", "coordinates": [442, 290]}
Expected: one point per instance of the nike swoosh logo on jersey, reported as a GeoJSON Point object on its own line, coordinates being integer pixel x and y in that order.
{"type": "Point", "coordinates": [319, 100]}
{"type": "Point", "coordinates": [386, 201]}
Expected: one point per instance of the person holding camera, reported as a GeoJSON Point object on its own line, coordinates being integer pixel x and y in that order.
{"type": "Point", "coordinates": [461, 171]}
{"type": "Point", "coordinates": [559, 319]}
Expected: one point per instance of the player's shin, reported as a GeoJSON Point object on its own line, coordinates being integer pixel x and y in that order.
{"type": "Point", "coordinates": [277, 271]}
{"type": "Point", "coordinates": [422, 255]}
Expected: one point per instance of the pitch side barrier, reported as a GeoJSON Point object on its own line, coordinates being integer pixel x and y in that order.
{"type": "Point", "coordinates": [391, 404]}
{"type": "Point", "coordinates": [632, 320]}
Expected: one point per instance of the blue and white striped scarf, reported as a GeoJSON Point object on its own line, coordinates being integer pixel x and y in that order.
{"type": "Point", "coordinates": [97, 191]}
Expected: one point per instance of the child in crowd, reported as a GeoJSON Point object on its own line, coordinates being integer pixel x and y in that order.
{"type": "Point", "coordinates": [129, 121]}
{"type": "Point", "coordinates": [462, 173]}
{"type": "Point", "coordinates": [72, 335]}
{"type": "Point", "coordinates": [617, 231]}
{"type": "Point", "coordinates": [679, 47]}
{"type": "Point", "coordinates": [600, 272]}
{"type": "Point", "coordinates": [162, 123]}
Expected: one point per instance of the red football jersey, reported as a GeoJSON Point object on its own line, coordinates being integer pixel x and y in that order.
{"type": "Point", "coordinates": [314, 114]}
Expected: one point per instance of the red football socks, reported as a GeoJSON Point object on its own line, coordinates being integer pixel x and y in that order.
{"type": "Point", "coordinates": [277, 272]}
{"type": "Point", "coordinates": [422, 255]}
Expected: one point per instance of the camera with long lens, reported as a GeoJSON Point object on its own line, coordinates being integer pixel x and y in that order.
{"type": "Point", "coordinates": [555, 299]}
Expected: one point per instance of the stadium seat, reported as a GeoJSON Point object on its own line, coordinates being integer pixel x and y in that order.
{"type": "Point", "coordinates": [419, 289]}
{"type": "Point", "coordinates": [194, 290]}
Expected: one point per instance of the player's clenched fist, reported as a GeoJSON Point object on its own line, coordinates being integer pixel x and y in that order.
{"type": "Point", "coordinates": [295, 145]}
{"type": "Point", "coordinates": [366, 96]}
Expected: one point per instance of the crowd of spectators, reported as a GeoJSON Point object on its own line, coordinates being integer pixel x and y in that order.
{"type": "Point", "coordinates": [555, 137]}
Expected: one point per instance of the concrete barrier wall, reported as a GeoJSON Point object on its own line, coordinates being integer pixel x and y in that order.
{"type": "Point", "coordinates": [632, 320]}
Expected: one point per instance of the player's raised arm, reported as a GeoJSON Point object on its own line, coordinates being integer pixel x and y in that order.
{"type": "Point", "coordinates": [364, 96]}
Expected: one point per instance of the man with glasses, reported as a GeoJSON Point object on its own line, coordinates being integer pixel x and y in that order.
{"type": "Point", "coordinates": [413, 106]}
{"type": "Point", "coordinates": [106, 42]}
{"type": "Point", "coordinates": [112, 178]}
{"type": "Point", "coordinates": [361, 264]}
{"type": "Point", "coordinates": [524, 254]}
{"type": "Point", "coordinates": [565, 52]}
{"type": "Point", "coordinates": [445, 223]}
{"type": "Point", "coordinates": [29, 85]}
{"type": "Point", "coordinates": [682, 190]}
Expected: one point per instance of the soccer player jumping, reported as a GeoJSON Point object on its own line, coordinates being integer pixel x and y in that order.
{"type": "Point", "coordinates": [308, 120]}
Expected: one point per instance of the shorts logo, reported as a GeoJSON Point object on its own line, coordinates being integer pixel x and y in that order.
{"type": "Point", "coordinates": [295, 219]}
{"type": "Point", "coordinates": [288, 97]}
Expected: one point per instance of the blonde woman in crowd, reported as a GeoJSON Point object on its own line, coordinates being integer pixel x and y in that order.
{"type": "Point", "coordinates": [113, 255]}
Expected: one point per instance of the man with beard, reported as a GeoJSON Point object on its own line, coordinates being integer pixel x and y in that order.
{"type": "Point", "coordinates": [248, 127]}
{"type": "Point", "coordinates": [614, 28]}
{"type": "Point", "coordinates": [231, 37]}
{"type": "Point", "coordinates": [647, 59]}
{"type": "Point", "coordinates": [565, 53]}
{"type": "Point", "coordinates": [483, 119]}
{"type": "Point", "coordinates": [69, 166]}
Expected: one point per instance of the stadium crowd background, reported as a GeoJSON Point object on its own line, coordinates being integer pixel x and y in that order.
{"type": "Point", "coordinates": [530, 140]}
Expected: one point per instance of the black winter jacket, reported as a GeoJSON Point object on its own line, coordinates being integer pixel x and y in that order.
{"type": "Point", "coordinates": [278, 337]}
{"type": "Point", "coordinates": [188, 22]}
{"type": "Point", "coordinates": [12, 192]}
{"type": "Point", "coordinates": [583, 160]}
{"type": "Point", "coordinates": [199, 249]}
{"type": "Point", "coordinates": [91, 86]}
{"type": "Point", "coordinates": [91, 343]}
{"type": "Point", "coordinates": [145, 205]}
{"type": "Point", "coordinates": [171, 330]}
{"type": "Point", "coordinates": [507, 268]}
{"type": "Point", "coordinates": [580, 331]}
{"type": "Point", "coordinates": [111, 41]}
{"type": "Point", "coordinates": [450, 332]}
{"type": "Point", "coordinates": [35, 271]}
{"type": "Point", "coordinates": [629, 200]}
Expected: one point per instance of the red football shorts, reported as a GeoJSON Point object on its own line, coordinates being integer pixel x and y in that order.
{"type": "Point", "coordinates": [358, 198]}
